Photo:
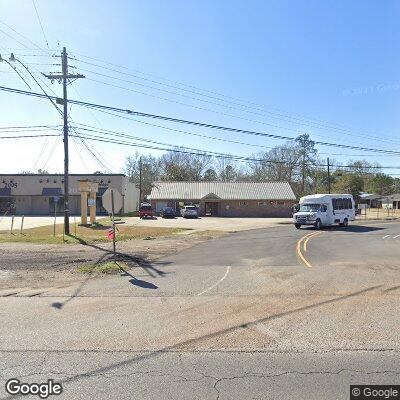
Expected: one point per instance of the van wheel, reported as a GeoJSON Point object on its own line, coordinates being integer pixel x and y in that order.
{"type": "Point", "coordinates": [345, 223]}
{"type": "Point", "coordinates": [318, 224]}
{"type": "Point", "coordinates": [297, 226]}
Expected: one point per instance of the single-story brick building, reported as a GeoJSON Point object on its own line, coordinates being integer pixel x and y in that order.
{"type": "Point", "coordinates": [226, 199]}
{"type": "Point", "coordinates": [43, 194]}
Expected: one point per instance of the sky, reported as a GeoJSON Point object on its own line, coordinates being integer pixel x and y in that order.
{"type": "Point", "coordinates": [326, 68]}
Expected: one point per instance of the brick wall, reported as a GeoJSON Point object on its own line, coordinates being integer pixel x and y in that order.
{"type": "Point", "coordinates": [256, 208]}
{"type": "Point", "coordinates": [245, 208]}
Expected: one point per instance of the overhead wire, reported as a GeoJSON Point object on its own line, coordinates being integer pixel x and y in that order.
{"type": "Point", "coordinates": [199, 124]}
{"type": "Point", "coordinates": [40, 23]}
{"type": "Point", "coordinates": [305, 121]}
{"type": "Point", "coordinates": [208, 152]}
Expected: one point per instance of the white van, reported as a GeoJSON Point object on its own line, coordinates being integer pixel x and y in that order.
{"type": "Point", "coordinates": [325, 210]}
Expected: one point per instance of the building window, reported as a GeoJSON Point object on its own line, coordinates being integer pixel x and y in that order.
{"type": "Point", "coordinates": [242, 203]}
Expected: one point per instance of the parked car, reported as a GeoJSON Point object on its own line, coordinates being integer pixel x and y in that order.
{"type": "Point", "coordinates": [168, 212]}
{"type": "Point", "coordinates": [146, 211]}
{"type": "Point", "coordinates": [189, 212]}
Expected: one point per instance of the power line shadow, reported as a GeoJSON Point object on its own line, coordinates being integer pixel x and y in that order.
{"type": "Point", "coordinates": [228, 330]}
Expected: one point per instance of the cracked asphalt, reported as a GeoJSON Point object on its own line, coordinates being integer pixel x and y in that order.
{"type": "Point", "coordinates": [241, 316]}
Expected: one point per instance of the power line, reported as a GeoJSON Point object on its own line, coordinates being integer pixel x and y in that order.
{"type": "Point", "coordinates": [24, 37]}
{"type": "Point", "coordinates": [42, 127]}
{"type": "Point", "coordinates": [305, 121]}
{"type": "Point", "coordinates": [211, 153]}
{"type": "Point", "coordinates": [40, 23]}
{"type": "Point", "coordinates": [194, 123]}
{"type": "Point", "coordinates": [185, 132]}
{"type": "Point", "coordinates": [51, 152]}
{"type": "Point", "coordinates": [226, 140]}
{"type": "Point", "coordinates": [26, 136]}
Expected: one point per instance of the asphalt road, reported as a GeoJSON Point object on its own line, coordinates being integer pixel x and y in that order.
{"type": "Point", "coordinates": [265, 314]}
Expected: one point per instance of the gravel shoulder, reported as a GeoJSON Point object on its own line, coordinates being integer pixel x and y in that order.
{"type": "Point", "coordinates": [39, 265]}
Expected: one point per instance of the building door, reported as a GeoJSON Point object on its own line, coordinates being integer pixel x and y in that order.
{"type": "Point", "coordinates": [211, 209]}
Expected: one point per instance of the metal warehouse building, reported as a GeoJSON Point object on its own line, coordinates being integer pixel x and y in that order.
{"type": "Point", "coordinates": [226, 199]}
{"type": "Point", "coordinates": [33, 194]}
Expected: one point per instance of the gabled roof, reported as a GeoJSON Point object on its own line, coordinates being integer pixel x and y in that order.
{"type": "Point", "coordinates": [369, 196]}
{"type": "Point", "coordinates": [222, 190]}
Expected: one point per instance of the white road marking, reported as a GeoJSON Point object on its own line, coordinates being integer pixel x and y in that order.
{"type": "Point", "coordinates": [217, 283]}
{"type": "Point", "coordinates": [395, 237]}
{"type": "Point", "coordinates": [386, 236]}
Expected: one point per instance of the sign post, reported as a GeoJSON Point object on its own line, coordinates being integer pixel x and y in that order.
{"type": "Point", "coordinates": [112, 201]}
{"type": "Point", "coordinates": [56, 198]}
{"type": "Point", "coordinates": [113, 221]}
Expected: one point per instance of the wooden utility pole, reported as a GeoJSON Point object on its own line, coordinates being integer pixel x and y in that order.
{"type": "Point", "coordinates": [64, 66]}
{"type": "Point", "coordinates": [329, 177]}
{"type": "Point", "coordinates": [140, 180]}
{"type": "Point", "coordinates": [64, 78]}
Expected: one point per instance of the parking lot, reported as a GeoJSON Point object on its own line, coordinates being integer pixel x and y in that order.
{"type": "Point", "coordinates": [199, 224]}
{"type": "Point", "coordinates": [210, 223]}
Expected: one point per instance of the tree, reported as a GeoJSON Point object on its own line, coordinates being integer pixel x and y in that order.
{"type": "Point", "coordinates": [349, 183]}
{"type": "Point", "coordinates": [150, 171]}
{"type": "Point", "coordinates": [210, 175]}
{"type": "Point", "coordinates": [277, 164]}
{"type": "Point", "coordinates": [381, 184]}
{"type": "Point", "coordinates": [307, 157]}
{"type": "Point", "coordinates": [396, 185]}
{"type": "Point", "coordinates": [227, 169]}
{"type": "Point", "coordinates": [364, 169]}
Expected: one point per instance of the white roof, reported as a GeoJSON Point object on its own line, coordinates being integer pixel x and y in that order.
{"type": "Point", "coordinates": [222, 191]}
{"type": "Point", "coordinates": [322, 196]}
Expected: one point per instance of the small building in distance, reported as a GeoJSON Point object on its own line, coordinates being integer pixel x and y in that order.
{"type": "Point", "coordinates": [226, 199]}
{"type": "Point", "coordinates": [370, 200]}
{"type": "Point", "coordinates": [37, 194]}
{"type": "Point", "coordinates": [391, 201]}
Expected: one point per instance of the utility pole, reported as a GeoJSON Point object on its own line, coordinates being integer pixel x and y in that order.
{"type": "Point", "coordinates": [329, 177]}
{"type": "Point", "coordinates": [65, 78]}
{"type": "Point", "coordinates": [140, 180]}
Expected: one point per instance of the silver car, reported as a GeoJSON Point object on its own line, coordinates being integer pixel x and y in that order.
{"type": "Point", "coordinates": [189, 212]}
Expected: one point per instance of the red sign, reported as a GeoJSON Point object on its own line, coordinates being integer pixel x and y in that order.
{"type": "Point", "coordinates": [110, 234]}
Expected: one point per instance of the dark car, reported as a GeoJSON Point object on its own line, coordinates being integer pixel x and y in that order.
{"type": "Point", "coordinates": [168, 212]}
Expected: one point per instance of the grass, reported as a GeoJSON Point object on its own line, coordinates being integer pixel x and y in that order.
{"type": "Point", "coordinates": [110, 267]}
{"type": "Point", "coordinates": [84, 234]}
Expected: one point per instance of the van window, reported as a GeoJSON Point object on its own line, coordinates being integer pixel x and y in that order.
{"type": "Point", "coordinates": [310, 207]}
{"type": "Point", "coordinates": [342, 204]}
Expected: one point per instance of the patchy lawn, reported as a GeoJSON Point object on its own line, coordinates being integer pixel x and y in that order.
{"type": "Point", "coordinates": [85, 234]}
{"type": "Point", "coordinates": [109, 267]}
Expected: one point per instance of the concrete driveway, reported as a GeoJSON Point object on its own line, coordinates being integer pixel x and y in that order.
{"type": "Point", "coordinates": [32, 222]}
{"type": "Point", "coordinates": [210, 223]}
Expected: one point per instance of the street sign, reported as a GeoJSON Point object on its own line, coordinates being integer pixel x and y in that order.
{"type": "Point", "coordinates": [107, 200]}
{"type": "Point", "coordinates": [91, 202]}
{"type": "Point", "coordinates": [56, 199]}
